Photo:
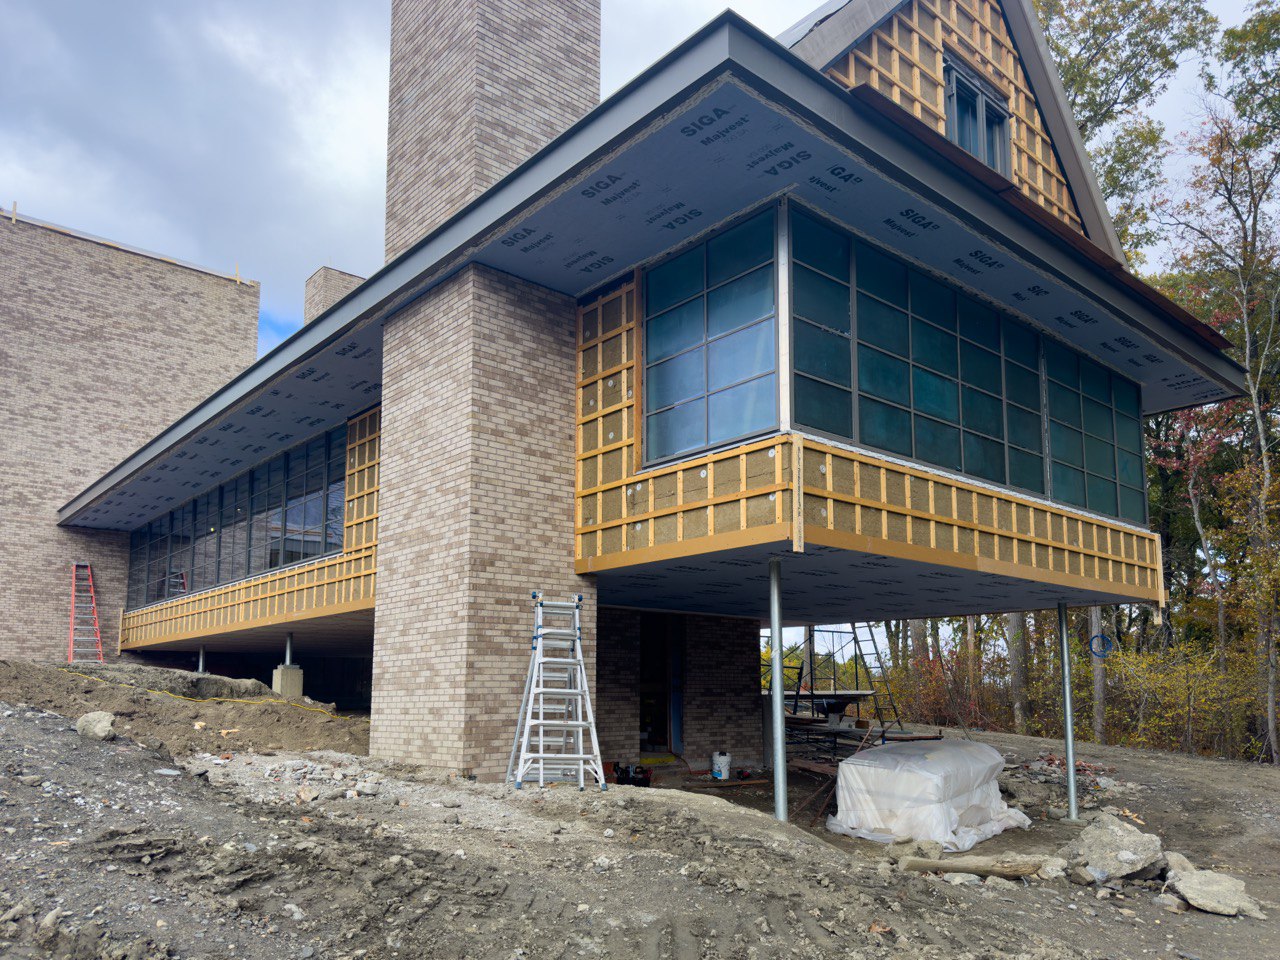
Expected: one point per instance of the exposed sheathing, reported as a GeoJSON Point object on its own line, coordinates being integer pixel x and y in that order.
{"type": "Point", "coordinates": [902, 59]}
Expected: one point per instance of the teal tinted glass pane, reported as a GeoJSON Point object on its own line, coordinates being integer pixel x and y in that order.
{"type": "Point", "coordinates": [824, 407]}
{"type": "Point", "coordinates": [1095, 380]}
{"type": "Point", "coordinates": [1064, 404]}
{"type": "Point", "coordinates": [676, 430]}
{"type": "Point", "coordinates": [983, 458]}
{"type": "Point", "coordinates": [979, 367]}
{"type": "Point", "coordinates": [883, 376]}
{"type": "Point", "coordinates": [1097, 419]}
{"type": "Point", "coordinates": [1022, 344]}
{"type": "Point", "coordinates": [1126, 398]}
{"type": "Point", "coordinates": [677, 279]}
{"type": "Point", "coordinates": [1026, 470]}
{"type": "Point", "coordinates": [979, 324]}
{"type": "Point", "coordinates": [934, 348]}
{"type": "Point", "coordinates": [745, 409]}
{"type": "Point", "coordinates": [1066, 444]}
{"type": "Point", "coordinates": [1102, 495]}
{"type": "Point", "coordinates": [819, 299]}
{"type": "Point", "coordinates": [883, 426]}
{"type": "Point", "coordinates": [674, 380]}
{"type": "Point", "coordinates": [740, 248]}
{"type": "Point", "coordinates": [937, 443]}
{"type": "Point", "coordinates": [1128, 434]}
{"type": "Point", "coordinates": [882, 276]}
{"type": "Point", "coordinates": [820, 246]}
{"type": "Point", "coordinates": [1062, 364]}
{"type": "Point", "coordinates": [740, 356]}
{"type": "Point", "coordinates": [822, 353]}
{"type": "Point", "coordinates": [883, 326]}
{"type": "Point", "coordinates": [983, 412]}
{"type": "Point", "coordinates": [1024, 429]}
{"type": "Point", "coordinates": [1133, 505]}
{"type": "Point", "coordinates": [932, 301]}
{"type": "Point", "coordinates": [1068, 484]}
{"type": "Point", "coordinates": [742, 301]}
{"type": "Point", "coordinates": [1099, 457]}
{"type": "Point", "coordinates": [935, 395]}
{"type": "Point", "coordinates": [1022, 386]}
{"type": "Point", "coordinates": [673, 331]}
{"type": "Point", "coordinates": [1130, 468]}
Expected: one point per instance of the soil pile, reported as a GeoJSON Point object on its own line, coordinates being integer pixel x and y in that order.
{"type": "Point", "coordinates": [174, 710]}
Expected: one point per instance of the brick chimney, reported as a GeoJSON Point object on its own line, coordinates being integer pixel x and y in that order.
{"type": "Point", "coordinates": [477, 87]}
{"type": "Point", "coordinates": [324, 288]}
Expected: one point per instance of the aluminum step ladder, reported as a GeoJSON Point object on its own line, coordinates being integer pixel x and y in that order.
{"type": "Point", "coordinates": [556, 730]}
{"type": "Point", "coordinates": [864, 642]}
{"type": "Point", "coordinates": [85, 639]}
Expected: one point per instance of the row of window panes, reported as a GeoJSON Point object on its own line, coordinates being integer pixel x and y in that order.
{"type": "Point", "coordinates": [944, 379]}
{"type": "Point", "coordinates": [711, 342]}
{"type": "Point", "coordinates": [283, 511]}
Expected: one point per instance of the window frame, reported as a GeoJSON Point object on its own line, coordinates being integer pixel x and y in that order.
{"type": "Point", "coordinates": [958, 75]}
{"type": "Point", "coordinates": [1004, 317]}
{"type": "Point", "coordinates": [777, 210]}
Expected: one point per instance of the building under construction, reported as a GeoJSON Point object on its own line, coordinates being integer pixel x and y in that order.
{"type": "Point", "coordinates": [839, 313]}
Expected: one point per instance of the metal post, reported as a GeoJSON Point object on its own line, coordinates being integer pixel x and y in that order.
{"type": "Point", "coordinates": [288, 649]}
{"type": "Point", "coordinates": [775, 661]}
{"type": "Point", "coordinates": [1068, 717]}
{"type": "Point", "coordinates": [200, 663]}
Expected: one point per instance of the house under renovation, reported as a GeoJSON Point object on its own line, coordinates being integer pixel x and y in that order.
{"type": "Point", "coordinates": [840, 314]}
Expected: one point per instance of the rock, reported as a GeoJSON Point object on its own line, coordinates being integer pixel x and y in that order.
{"type": "Point", "coordinates": [961, 879]}
{"type": "Point", "coordinates": [97, 725]}
{"type": "Point", "coordinates": [293, 911]}
{"type": "Point", "coordinates": [1176, 861]}
{"type": "Point", "coordinates": [452, 818]}
{"type": "Point", "coordinates": [167, 772]}
{"type": "Point", "coordinates": [308, 794]}
{"type": "Point", "coordinates": [1081, 876]}
{"type": "Point", "coordinates": [1170, 902]}
{"type": "Point", "coordinates": [1056, 813]}
{"type": "Point", "coordinates": [1055, 868]}
{"type": "Point", "coordinates": [1215, 892]}
{"type": "Point", "coordinates": [1110, 847]}
{"type": "Point", "coordinates": [999, 883]}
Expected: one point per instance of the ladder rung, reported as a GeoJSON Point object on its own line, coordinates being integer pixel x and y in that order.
{"type": "Point", "coordinates": [564, 660]}
{"type": "Point", "coordinates": [555, 692]}
{"type": "Point", "coordinates": [562, 606]}
{"type": "Point", "coordinates": [557, 757]}
{"type": "Point", "coordinates": [554, 634]}
{"type": "Point", "coordinates": [566, 724]}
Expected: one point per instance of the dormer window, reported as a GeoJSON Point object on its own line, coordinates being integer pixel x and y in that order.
{"type": "Point", "coordinates": [977, 117]}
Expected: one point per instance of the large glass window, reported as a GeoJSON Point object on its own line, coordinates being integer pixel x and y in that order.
{"type": "Point", "coordinates": [893, 358]}
{"type": "Point", "coordinates": [711, 342]}
{"type": "Point", "coordinates": [283, 511]}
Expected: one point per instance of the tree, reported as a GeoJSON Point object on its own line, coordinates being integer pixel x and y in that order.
{"type": "Point", "coordinates": [1115, 58]}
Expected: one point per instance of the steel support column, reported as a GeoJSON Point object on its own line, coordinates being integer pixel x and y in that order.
{"type": "Point", "coordinates": [777, 676]}
{"type": "Point", "coordinates": [1068, 715]}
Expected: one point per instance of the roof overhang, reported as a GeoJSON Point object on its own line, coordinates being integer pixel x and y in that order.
{"type": "Point", "coordinates": [727, 120]}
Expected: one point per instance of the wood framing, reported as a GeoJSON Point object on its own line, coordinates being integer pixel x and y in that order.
{"type": "Point", "coordinates": [339, 583]}
{"type": "Point", "coordinates": [902, 58]}
{"type": "Point", "coordinates": [861, 502]}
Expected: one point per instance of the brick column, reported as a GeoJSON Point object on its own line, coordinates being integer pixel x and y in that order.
{"type": "Point", "coordinates": [475, 510]}
{"type": "Point", "coordinates": [477, 87]}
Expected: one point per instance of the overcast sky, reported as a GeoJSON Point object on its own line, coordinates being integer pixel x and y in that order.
{"type": "Point", "coordinates": [251, 134]}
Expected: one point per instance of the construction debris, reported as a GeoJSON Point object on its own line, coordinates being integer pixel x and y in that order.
{"type": "Point", "coordinates": [1008, 866]}
{"type": "Point", "coordinates": [1210, 891]}
{"type": "Point", "coordinates": [1110, 848]}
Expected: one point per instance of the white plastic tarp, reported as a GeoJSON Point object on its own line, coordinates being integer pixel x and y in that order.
{"type": "Point", "coordinates": [943, 790]}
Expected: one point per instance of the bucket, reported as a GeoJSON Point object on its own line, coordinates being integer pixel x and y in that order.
{"type": "Point", "coordinates": [720, 765]}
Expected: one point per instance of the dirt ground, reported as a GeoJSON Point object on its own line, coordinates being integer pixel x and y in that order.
{"type": "Point", "coordinates": [117, 850]}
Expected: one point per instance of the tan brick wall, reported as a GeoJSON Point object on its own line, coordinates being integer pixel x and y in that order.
{"type": "Point", "coordinates": [324, 288]}
{"type": "Point", "coordinates": [721, 681]}
{"type": "Point", "coordinates": [475, 512]}
{"type": "Point", "coordinates": [102, 348]}
{"type": "Point", "coordinates": [477, 87]}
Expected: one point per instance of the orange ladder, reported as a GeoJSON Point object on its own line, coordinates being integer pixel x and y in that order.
{"type": "Point", "coordinates": [85, 638]}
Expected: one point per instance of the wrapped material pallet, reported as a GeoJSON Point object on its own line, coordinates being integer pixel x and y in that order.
{"type": "Point", "coordinates": [943, 790]}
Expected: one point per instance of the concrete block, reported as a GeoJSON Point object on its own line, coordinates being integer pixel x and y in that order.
{"type": "Point", "coordinates": [286, 681]}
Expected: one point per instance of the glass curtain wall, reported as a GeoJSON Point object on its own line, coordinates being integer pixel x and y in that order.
{"type": "Point", "coordinates": [284, 511]}
{"type": "Point", "coordinates": [711, 342]}
{"type": "Point", "coordinates": [889, 357]}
